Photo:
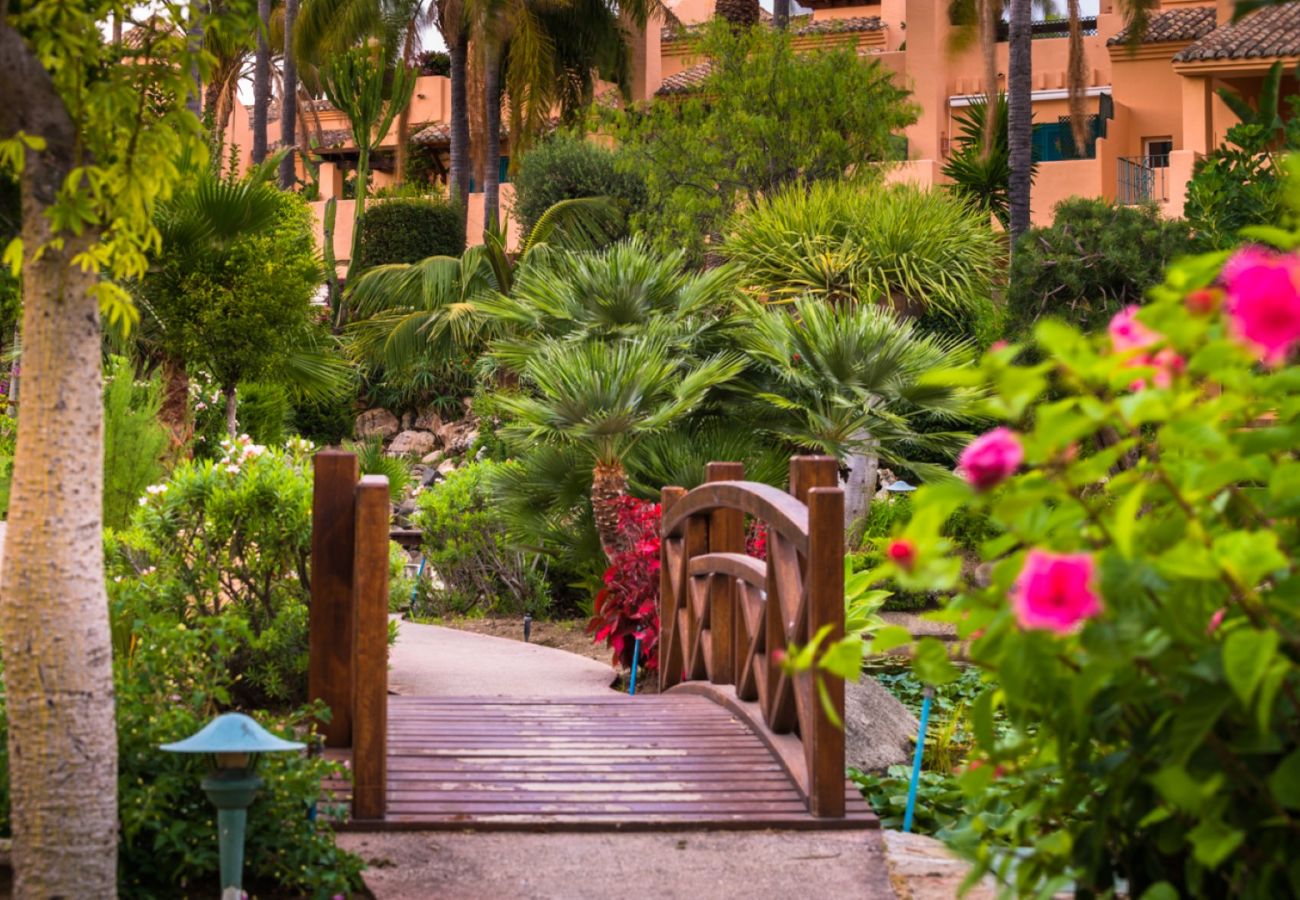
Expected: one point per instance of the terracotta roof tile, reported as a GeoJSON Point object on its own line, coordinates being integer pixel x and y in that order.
{"type": "Point", "coordinates": [1172, 25]}
{"type": "Point", "coordinates": [686, 81]}
{"type": "Point", "coordinates": [1265, 33]}
{"type": "Point", "coordinates": [799, 26]}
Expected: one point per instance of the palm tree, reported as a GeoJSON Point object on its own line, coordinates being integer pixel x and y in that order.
{"type": "Point", "coordinates": [1020, 115]}
{"type": "Point", "coordinates": [261, 80]}
{"type": "Point", "coordinates": [739, 13]}
{"type": "Point", "coordinates": [979, 169]}
{"type": "Point", "coordinates": [289, 98]}
{"type": "Point", "coordinates": [850, 381]}
{"type": "Point", "coordinates": [600, 398]}
{"type": "Point", "coordinates": [781, 14]}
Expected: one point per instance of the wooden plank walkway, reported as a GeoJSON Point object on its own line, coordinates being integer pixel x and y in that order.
{"type": "Point", "coordinates": [653, 762]}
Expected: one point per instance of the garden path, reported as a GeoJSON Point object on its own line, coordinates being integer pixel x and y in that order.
{"type": "Point", "coordinates": [432, 661]}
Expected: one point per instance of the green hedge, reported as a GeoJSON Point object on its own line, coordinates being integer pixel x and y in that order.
{"type": "Point", "coordinates": [409, 230]}
{"type": "Point", "coordinates": [565, 167]}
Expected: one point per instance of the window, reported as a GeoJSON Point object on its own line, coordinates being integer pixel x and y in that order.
{"type": "Point", "coordinates": [1157, 151]}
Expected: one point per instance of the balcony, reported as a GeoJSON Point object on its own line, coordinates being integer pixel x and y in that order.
{"type": "Point", "coordinates": [1050, 28]}
{"type": "Point", "coordinates": [1143, 179]}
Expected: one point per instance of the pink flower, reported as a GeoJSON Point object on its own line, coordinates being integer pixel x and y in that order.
{"type": "Point", "coordinates": [1127, 333]}
{"type": "Point", "coordinates": [1264, 301]}
{"type": "Point", "coordinates": [1204, 301]}
{"type": "Point", "coordinates": [991, 458]}
{"type": "Point", "coordinates": [1055, 591]}
{"type": "Point", "coordinates": [1167, 363]}
{"type": "Point", "coordinates": [903, 553]}
{"type": "Point", "coordinates": [1216, 620]}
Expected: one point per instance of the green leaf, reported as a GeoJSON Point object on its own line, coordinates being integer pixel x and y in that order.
{"type": "Point", "coordinates": [1162, 890]}
{"type": "Point", "coordinates": [931, 662]}
{"type": "Point", "coordinates": [1178, 788]}
{"type": "Point", "coordinates": [1248, 555]}
{"type": "Point", "coordinates": [827, 706]}
{"type": "Point", "coordinates": [889, 638]}
{"type": "Point", "coordinates": [1126, 518]}
{"type": "Point", "coordinates": [13, 257]}
{"type": "Point", "coordinates": [1213, 841]}
{"type": "Point", "coordinates": [1247, 654]}
{"type": "Point", "coordinates": [1285, 781]}
{"type": "Point", "coordinates": [844, 658]}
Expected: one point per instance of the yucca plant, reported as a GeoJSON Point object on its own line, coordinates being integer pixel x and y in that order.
{"type": "Point", "coordinates": [371, 460]}
{"type": "Point", "coordinates": [854, 381]}
{"type": "Point", "coordinates": [601, 398]}
{"type": "Point", "coordinates": [912, 250]}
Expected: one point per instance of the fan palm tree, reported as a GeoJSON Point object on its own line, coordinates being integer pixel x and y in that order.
{"type": "Point", "coordinates": [979, 169]}
{"type": "Point", "coordinates": [854, 381]}
{"type": "Point", "coordinates": [601, 398]}
{"type": "Point", "coordinates": [739, 13]}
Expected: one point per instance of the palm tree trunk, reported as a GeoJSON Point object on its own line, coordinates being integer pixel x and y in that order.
{"type": "Point", "coordinates": [232, 408]}
{"type": "Point", "coordinates": [459, 52]}
{"type": "Point", "coordinates": [492, 144]}
{"type": "Point", "coordinates": [608, 488]}
{"type": "Point", "coordinates": [988, 11]}
{"type": "Point", "coordinates": [859, 488]}
{"type": "Point", "coordinates": [404, 117]}
{"type": "Point", "coordinates": [289, 98]}
{"type": "Point", "coordinates": [1076, 74]}
{"type": "Point", "coordinates": [1020, 115]}
{"type": "Point", "coordinates": [55, 639]}
{"type": "Point", "coordinates": [781, 14]}
{"type": "Point", "coordinates": [117, 29]}
{"type": "Point", "coordinates": [174, 413]}
{"type": "Point", "coordinates": [261, 81]}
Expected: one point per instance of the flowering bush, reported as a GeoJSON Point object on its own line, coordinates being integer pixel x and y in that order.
{"type": "Point", "coordinates": [627, 607]}
{"type": "Point", "coordinates": [1138, 610]}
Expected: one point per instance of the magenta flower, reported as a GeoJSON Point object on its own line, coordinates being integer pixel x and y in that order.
{"type": "Point", "coordinates": [1055, 591]}
{"type": "Point", "coordinates": [1127, 333]}
{"type": "Point", "coordinates": [991, 458]}
{"type": "Point", "coordinates": [1264, 302]}
{"type": "Point", "coordinates": [1216, 620]}
{"type": "Point", "coordinates": [902, 553]}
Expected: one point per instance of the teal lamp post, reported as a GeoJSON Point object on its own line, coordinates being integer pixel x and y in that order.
{"type": "Point", "coordinates": [234, 740]}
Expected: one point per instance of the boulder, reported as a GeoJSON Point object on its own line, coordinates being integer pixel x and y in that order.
{"type": "Point", "coordinates": [879, 731]}
{"type": "Point", "coordinates": [428, 421]}
{"type": "Point", "coordinates": [432, 459]}
{"type": "Point", "coordinates": [457, 437]}
{"type": "Point", "coordinates": [411, 443]}
{"type": "Point", "coordinates": [446, 467]}
{"type": "Point", "coordinates": [376, 422]}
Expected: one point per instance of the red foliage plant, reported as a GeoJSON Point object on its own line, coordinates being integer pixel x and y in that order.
{"type": "Point", "coordinates": [627, 607]}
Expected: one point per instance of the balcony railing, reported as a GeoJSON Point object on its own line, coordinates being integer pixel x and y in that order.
{"type": "Point", "coordinates": [1051, 28]}
{"type": "Point", "coordinates": [1143, 179]}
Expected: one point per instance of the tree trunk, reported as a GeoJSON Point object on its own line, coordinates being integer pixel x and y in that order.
{"type": "Point", "coordinates": [232, 408]}
{"type": "Point", "coordinates": [988, 12]}
{"type": "Point", "coordinates": [859, 488]}
{"type": "Point", "coordinates": [117, 29]}
{"type": "Point", "coordinates": [492, 143]}
{"type": "Point", "coordinates": [261, 81]}
{"type": "Point", "coordinates": [359, 210]}
{"type": "Point", "coordinates": [459, 187]}
{"type": "Point", "coordinates": [175, 410]}
{"type": "Point", "coordinates": [1076, 75]}
{"type": "Point", "coordinates": [54, 628]}
{"type": "Point", "coordinates": [289, 98]}
{"type": "Point", "coordinates": [608, 488]}
{"type": "Point", "coordinates": [404, 117]}
{"type": "Point", "coordinates": [1020, 115]}
{"type": "Point", "coordinates": [781, 14]}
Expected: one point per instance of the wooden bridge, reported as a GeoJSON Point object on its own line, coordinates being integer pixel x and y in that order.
{"type": "Point", "coordinates": [732, 740]}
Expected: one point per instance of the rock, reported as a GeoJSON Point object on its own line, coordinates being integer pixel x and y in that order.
{"type": "Point", "coordinates": [879, 731]}
{"type": "Point", "coordinates": [457, 437]}
{"type": "Point", "coordinates": [376, 422]}
{"type": "Point", "coordinates": [428, 421]}
{"type": "Point", "coordinates": [411, 443]}
{"type": "Point", "coordinates": [446, 468]}
{"type": "Point", "coordinates": [407, 419]}
{"type": "Point", "coordinates": [432, 459]}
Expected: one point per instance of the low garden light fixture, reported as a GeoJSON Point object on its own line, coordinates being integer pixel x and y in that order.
{"type": "Point", "coordinates": [234, 741]}
{"type": "Point", "coordinates": [900, 487]}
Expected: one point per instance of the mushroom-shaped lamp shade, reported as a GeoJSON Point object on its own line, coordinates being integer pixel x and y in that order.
{"type": "Point", "coordinates": [232, 737]}
{"type": "Point", "coordinates": [899, 487]}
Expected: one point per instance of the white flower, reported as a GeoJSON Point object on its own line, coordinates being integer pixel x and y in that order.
{"type": "Point", "coordinates": [232, 469]}
{"type": "Point", "coordinates": [200, 405]}
{"type": "Point", "coordinates": [156, 489]}
{"type": "Point", "coordinates": [144, 500]}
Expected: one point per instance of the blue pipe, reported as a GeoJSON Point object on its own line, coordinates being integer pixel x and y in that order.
{"type": "Point", "coordinates": [916, 759]}
{"type": "Point", "coordinates": [636, 656]}
{"type": "Point", "coordinates": [418, 575]}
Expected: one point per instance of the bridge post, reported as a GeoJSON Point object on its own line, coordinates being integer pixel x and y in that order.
{"type": "Point", "coordinates": [670, 639]}
{"type": "Point", "coordinates": [329, 667]}
{"type": "Point", "coordinates": [726, 535]}
{"type": "Point", "coordinates": [370, 650]}
{"type": "Point", "coordinates": [825, 593]}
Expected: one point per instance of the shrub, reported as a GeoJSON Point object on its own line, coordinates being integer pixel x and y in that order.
{"type": "Point", "coordinates": [1094, 259]}
{"type": "Point", "coordinates": [134, 442]}
{"type": "Point", "coordinates": [563, 167]}
{"type": "Point", "coordinates": [1139, 612]}
{"type": "Point", "coordinates": [228, 538]}
{"type": "Point", "coordinates": [323, 422]}
{"type": "Point", "coordinates": [473, 566]}
{"type": "Point", "coordinates": [8, 441]}
{"type": "Point", "coordinates": [409, 230]}
{"type": "Point", "coordinates": [627, 607]}
{"type": "Point", "coordinates": [916, 251]}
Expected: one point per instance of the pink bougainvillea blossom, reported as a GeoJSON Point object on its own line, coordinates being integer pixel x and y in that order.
{"type": "Point", "coordinates": [1216, 620]}
{"type": "Point", "coordinates": [1263, 303]}
{"type": "Point", "coordinates": [902, 552]}
{"type": "Point", "coordinates": [991, 458]}
{"type": "Point", "coordinates": [1055, 591]}
{"type": "Point", "coordinates": [1127, 333]}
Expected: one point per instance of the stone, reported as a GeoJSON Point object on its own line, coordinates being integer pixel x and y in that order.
{"type": "Point", "coordinates": [428, 421]}
{"type": "Point", "coordinates": [432, 459]}
{"type": "Point", "coordinates": [411, 443]}
{"type": "Point", "coordinates": [407, 419]}
{"type": "Point", "coordinates": [376, 422]}
{"type": "Point", "coordinates": [879, 731]}
{"type": "Point", "coordinates": [446, 468]}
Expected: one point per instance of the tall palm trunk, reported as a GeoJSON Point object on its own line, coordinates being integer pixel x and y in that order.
{"type": "Point", "coordinates": [781, 14]}
{"type": "Point", "coordinates": [492, 142]}
{"type": "Point", "coordinates": [261, 81]}
{"type": "Point", "coordinates": [404, 117]}
{"type": "Point", "coordinates": [1076, 75]}
{"type": "Point", "coordinates": [459, 52]}
{"type": "Point", "coordinates": [174, 413]}
{"type": "Point", "coordinates": [231, 395]}
{"type": "Point", "coordinates": [863, 469]}
{"type": "Point", "coordinates": [608, 488]}
{"type": "Point", "coordinates": [1020, 115]}
{"type": "Point", "coordinates": [54, 627]}
{"type": "Point", "coordinates": [289, 99]}
{"type": "Point", "coordinates": [989, 12]}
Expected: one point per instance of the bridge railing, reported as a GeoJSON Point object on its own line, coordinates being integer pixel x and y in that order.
{"type": "Point", "coordinates": [726, 618]}
{"type": "Point", "coordinates": [348, 625]}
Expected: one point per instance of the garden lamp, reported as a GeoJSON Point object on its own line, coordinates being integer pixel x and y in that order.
{"type": "Point", "coordinates": [233, 740]}
{"type": "Point", "coordinates": [900, 487]}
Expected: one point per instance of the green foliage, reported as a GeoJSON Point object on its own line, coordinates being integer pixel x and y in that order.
{"type": "Point", "coordinates": [564, 167]}
{"type": "Point", "coordinates": [1093, 260]}
{"type": "Point", "coordinates": [765, 117]}
{"type": "Point", "coordinates": [10, 226]}
{"type": "Point", "coordinates": [1240, 183]}
{"type": "Point", "coordinates": [134, 442]}
{"type": "Point", "coordinates": [979, 175]}
{"type": "Point", "coordinates": [915, 251]}
{"type": "Point", "coordinates": [372, 460]}
{"type": "Point", "coordinates": [401, 586]}
{"type": "Point", "coordinates": [409, 230]}
{"type": "Point", "coordinates": [679, 456]}
{"type": "Point", "coordinates": [325, 422]}
{"type": "Point", "coordinates": [228, 539]}
{"type": "Point", "coordinates": [8, 441]}
{"type": "Point", "coordinates": [1156, 741]}
{"type": "Point", "coordinates": [473, 566]}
